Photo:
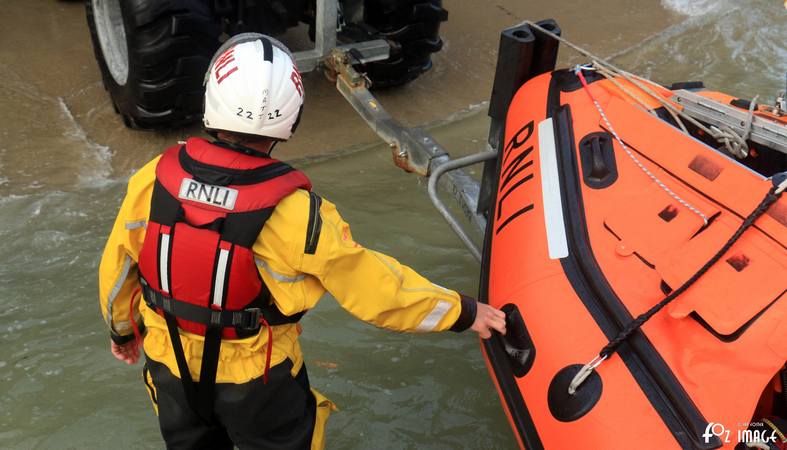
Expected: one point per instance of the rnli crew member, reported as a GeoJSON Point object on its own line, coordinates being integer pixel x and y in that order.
{"type": "Point", "coordinates": [218, 250]}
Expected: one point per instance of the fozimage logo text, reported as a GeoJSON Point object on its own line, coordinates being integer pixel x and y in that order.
{"type": "Point", "coordinates": [748, 432]}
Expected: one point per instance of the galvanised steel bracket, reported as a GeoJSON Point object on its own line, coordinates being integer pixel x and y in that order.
{"type": "Point", "coordinates": [325, 41]}
{"type": "Point", "coordinates": [413, 149]}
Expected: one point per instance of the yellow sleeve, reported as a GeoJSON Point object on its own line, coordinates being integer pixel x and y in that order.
{"type": "Point", "coordinates": [117, 272]}
{"type": "Point", "coordinates": [372, 286]}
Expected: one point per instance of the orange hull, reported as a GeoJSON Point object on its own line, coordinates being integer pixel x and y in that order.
{"type": "Point", "coordinates": [581, 240]}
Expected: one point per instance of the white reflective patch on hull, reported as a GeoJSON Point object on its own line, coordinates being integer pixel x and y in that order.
{"type": "Point", "coordinates": [550, 191]}
{"type": "Point", "coordinates": [221, 271]}
{"type": "Point", "coordinates": [208, 194]}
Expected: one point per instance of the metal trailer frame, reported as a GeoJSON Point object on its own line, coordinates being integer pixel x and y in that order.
{"type": "Point", "coordinates": [326, 27]}
{"type": "Point", "coordinates": [525, 53]}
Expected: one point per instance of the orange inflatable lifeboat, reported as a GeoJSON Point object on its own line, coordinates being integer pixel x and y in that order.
{"type": "Point", "coordinates": [643, 268]}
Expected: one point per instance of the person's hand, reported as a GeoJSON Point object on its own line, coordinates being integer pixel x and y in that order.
{"type": "Point", "coordinates": [487, 319]}
{"type": "Point", "coordinates": [128, 352]}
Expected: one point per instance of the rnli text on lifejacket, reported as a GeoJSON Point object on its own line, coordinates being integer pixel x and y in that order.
{"type": "Point", "coordinates": [220, 196]}
{"type": "Point", "coordinates": [511, 169]}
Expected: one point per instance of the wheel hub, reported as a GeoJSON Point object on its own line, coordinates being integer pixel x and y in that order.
{"type": "Point", "coordinates": [112, 37]}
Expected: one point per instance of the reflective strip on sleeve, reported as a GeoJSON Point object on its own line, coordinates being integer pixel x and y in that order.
{"type": "Point", "coordinates": [123, 328]}
{"type": "Point", "coordinates": [221, 272]}
{"type": "Point", "coordinates": [281, 278]}
{"type": "Point", "coordinates": [442, 287]}
{"type": "Point", "coordinates": [430, 321]}
{"type": "Point", "coordinates": [116, 288]}
{"type": "Point", "coordinates": [136, 224]}
{"type": "Point", "coordinates": [163, 262]}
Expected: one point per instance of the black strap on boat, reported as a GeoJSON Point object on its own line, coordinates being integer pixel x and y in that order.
{"type": "Point", "coordinates": [245, 319]}
{"type": "Point", "coordinates": [784, 386]}
{"type": "Point", "coordinates": [779, 184]}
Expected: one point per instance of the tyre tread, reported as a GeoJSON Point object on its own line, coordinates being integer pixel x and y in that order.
{"type": "Point", "coordinates": [170, 46]}
{"type": "Point", "coordinates": [414, 26]}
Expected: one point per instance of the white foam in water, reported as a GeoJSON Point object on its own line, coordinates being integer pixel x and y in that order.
{"type": "Point", "coordinates": [695, 7]}
{"type": "Point", "coordinates": [727, 44]}
{"type": "Point", "coordinates": [3, 150]}
{"type": "Point", "coordinates": [97, 167]}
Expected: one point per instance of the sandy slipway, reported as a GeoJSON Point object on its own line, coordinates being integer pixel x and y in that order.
{"type": "Point", "coordinates": [57, 59]}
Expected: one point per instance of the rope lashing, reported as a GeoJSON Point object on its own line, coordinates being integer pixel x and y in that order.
{"type": "Point", "coordinates": [732, 142]}
{"type": "Point", "coordinates": [670, 192]}
{"type": "Point", "coordinates": [779, 185]}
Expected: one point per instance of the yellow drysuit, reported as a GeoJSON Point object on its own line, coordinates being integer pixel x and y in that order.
{"type": "Point", "coordinates": [372, 286]}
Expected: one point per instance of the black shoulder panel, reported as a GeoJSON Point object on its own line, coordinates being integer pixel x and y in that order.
{"type": "Point", "coordinates": [164, 207]}
{"type": "Point", "coordinates": [243, 228]}
{"type": "Point", "coordinates": [314, 226]}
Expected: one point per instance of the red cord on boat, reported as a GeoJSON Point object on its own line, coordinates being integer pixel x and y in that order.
{"type": "Point", "coordinates": [269, 350]}
{"type": "Point", "coordinates": [584, 84]}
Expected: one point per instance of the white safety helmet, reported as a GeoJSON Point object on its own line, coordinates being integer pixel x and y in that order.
{"type": "Point", "coordinates": [253, 87]}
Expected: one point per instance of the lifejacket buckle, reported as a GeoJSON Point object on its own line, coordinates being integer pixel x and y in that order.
{"type": "Point", "coordinates": [251, 319]}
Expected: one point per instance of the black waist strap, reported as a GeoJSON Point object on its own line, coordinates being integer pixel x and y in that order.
{"type": "Point", "coordinates": [246, 319]}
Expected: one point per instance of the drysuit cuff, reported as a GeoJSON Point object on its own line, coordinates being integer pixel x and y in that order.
{"type": "Point", "coordinates": [120, 340]}
{"type": "Point", "coordinates": [467, 315]}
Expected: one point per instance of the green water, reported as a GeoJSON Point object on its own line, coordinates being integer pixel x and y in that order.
{"type": "Point", "coordinates": [60, 384]}
{"type": "Point", "coordinates": [59, 192]}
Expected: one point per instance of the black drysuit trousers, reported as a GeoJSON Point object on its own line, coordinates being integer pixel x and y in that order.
{"type": "Point", "coordinates": [277, 415]}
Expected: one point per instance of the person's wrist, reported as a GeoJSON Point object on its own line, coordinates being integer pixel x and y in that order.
{"type": "Point", "coordinates": [467, 314]}
{"type": "Point", "coordinates": [121, 340]}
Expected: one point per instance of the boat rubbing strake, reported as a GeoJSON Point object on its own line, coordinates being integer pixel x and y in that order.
{"type": "Point", "coordinates": [612, 239]}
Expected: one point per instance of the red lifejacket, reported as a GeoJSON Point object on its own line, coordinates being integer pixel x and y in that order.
{"type": "Point", "coordinates": [209, 204]}
{"type": "Point", "coordinates": [197, 269]}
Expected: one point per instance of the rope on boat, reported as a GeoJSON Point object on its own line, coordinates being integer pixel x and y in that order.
{"type": "Point", "coordinates": [779, 185]}
{"type": "Point", "coordinates": [734, 143]}
{"type": "Point", "coordinates": [639, 164]}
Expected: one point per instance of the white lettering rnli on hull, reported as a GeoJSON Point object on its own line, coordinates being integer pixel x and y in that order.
{"type": "Point", "coordinates": [222, 197]}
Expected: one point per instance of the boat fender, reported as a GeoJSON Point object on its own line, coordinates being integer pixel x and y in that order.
{"type": "Point", "coordinates": [783, 376]}
{"type": "Point", "coordinates": [517, 342]}
{"type": "Point", "coordinates": [741, 103]}
{"type": "Point", "coordinates": [567, 407]}
{"type": "Point", "coordinates": [688, 85]}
